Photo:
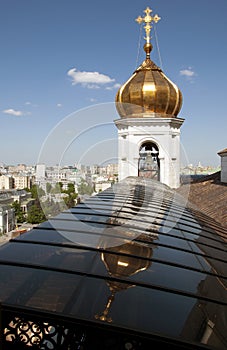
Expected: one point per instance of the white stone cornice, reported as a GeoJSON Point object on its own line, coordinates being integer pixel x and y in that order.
{"type": "Point", "coordinates": [126, 122]}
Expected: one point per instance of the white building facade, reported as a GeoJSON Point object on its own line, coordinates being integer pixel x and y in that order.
{"type": "Point", "coordinates": [6, 182]}
{"type": "Point", "coordinates": [7, 219]}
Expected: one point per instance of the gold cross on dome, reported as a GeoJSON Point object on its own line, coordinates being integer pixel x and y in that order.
{"type": "Point", "coordinates": [148, 19]}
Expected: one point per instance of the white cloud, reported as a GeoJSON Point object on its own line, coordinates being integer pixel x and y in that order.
{"type": "Point", "coordinates": [12, 111]}
{"type": "Point", "coordinates": [115, 86]}
{"type": "Point", "coordinates": [91, 86]}
{"type": "Point", "coordinates": [59, 105]}
{"type": "Point", "coordinates": [91, 80]}
{"type": "Point", "coordinates": [28, 103]}
{"type": "Point", "coordinates": [189, 73]}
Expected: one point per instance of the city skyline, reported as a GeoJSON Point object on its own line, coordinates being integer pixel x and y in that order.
{"type": "Point", "coordinates": [62, 64]}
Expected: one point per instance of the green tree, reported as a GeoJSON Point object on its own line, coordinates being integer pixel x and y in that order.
{"type": "Point", "coordinates": [51, 209]}
{"type": "Point", "coordinates": [71, 188]}
{"type": "Point", "coordinates": [35, 214]}
{"type": "Point", "coordinates": [18, 211]}
{"type": "Point", "coordinates": [48, 187]}
{"type": "Point", "coordinates": [85, 188]}
{"type": "Point", "coordinates": [56, 189]}
{"type": "Point", "coordinates": [69, 201]}
{"type": "Point", "coordinates": [37, 191]}
{"type": "Point", "coordinates": [27, 189]}
{"type": "Point", "coordinates": [71, 195]}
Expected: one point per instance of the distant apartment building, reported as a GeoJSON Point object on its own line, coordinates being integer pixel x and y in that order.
{"type": "Point", "coordinates": [6, 182]}
{"type": "Point", "coordinates": [64, 175]}
{"type": "Point", "coordinates": [103, 170]}
{"type": "Point", "coordinates": [223, 155]}
{"type": "Point", "coordinates": [73, 174]}
{"type": "Point", "coordinates": [40, 172]}
{"type": "Point", "coordinates": [40, 176]}
{"type": "Point", "coordinates": [16, 177]}
{"type": "Point", "coordinates": [3, 169]}
{"type": "Point", "coordinates": [16, 168]}
{"type": "Point", "coordinates": [22, 181]}
{"type": "Point", "coordinates": [112, 169]}
{"type": "Point", "coordinates": [56, 174]}
{"type": "Point", "coordinates": [109, 169]}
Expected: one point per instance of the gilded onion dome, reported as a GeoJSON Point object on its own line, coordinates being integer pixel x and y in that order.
{"type": "Point", "coordinates": [148, 92]}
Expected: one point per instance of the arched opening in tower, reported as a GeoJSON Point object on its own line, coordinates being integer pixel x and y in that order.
{"type": "Point", "coordinates": [149, 164]}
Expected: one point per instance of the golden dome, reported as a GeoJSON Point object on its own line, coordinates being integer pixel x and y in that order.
{"type": "Point", "coordinates": [148, 92]}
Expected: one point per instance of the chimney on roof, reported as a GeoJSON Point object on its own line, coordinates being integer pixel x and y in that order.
{"type": "Point", "coordinates": [223, 155]}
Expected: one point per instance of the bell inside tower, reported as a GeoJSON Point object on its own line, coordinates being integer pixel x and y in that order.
{"type": "Point", "coordinates": [149, 164]}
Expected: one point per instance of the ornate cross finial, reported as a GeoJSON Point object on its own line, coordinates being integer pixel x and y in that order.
{"type": "Point", "coordinates": [148, 19]}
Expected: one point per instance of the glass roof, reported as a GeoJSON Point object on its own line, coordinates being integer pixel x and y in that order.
{"type": "Point", "coordinates": [135, 253]}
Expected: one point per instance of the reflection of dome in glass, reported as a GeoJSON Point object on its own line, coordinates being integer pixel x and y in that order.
{"type": "Point", "coordinates": [121, 262]}
{"type": "Point", "coordinates": [128, 259]}
{"type": "Point", "coordinates": [148, 92]}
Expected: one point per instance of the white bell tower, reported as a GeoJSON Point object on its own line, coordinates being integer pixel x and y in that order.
{"type": "Point", "coordinates": [162, 136]}
{"type": "Point", "coordinates": [148, 128]}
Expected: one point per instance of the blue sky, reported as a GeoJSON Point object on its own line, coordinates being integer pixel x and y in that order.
{"type": "Point", "coordinates": [63, 59]}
